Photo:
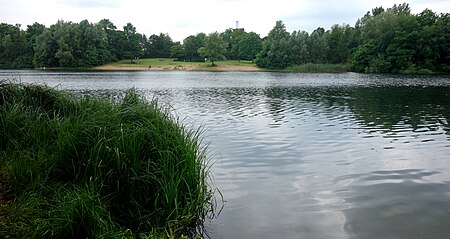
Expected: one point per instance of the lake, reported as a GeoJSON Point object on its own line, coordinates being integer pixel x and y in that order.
{"type": "Point", "coordinates": [307, 155]}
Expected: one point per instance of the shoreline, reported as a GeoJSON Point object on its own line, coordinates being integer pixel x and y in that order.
{"type": "Point", "coordinates": [219, 68]}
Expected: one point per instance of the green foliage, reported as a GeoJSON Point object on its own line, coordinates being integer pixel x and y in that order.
{"type": "Point", "coordinates": [338, 44]}
{"type": "Point", "coordinates": [391, 40]}
{"type": "Point", "coordinates": [249, 46]}
{"type": "Point", "coordinates": [396, 41]}
{"type": "Point", "coordinates": [79, 213]}
{"type": "Point", "coordinates": [131, 44]}
{"type": "Point", "coordinates": [99, 169]}
{"type": "Point", "coordinates": [382, 41]}
{"type": "Point", "coordinates": [241, 45]}
{"type": "Point", "coordinates": [281, 49]}
{"type": "Point", "coordinates": [214, 49]}
{"type": "Point", "coordinates": [24, 217]}
{"type": "Point", "coordinates": [232, 37]}
{"type": "Point", "coordinates": [112, 49]}
{"type": "Point", "coordinates": [177, 51]}
{"type": "Point", "coordinates": [14, 50]}
{"type": "Point", "coordinates": [191, 45]}
{"type": "Point", "coordinates": [300, 51]}
{"type": "Point", "coordinates": [68, 44]}
{"type": "Point", "coordinates": [320, 68]}
{"type": "Point", "coordinates": [158, 46]}
{"type": "Point", "coordinates": [318, 46]}
{"type": "Point", "coordinates": [276, 50]}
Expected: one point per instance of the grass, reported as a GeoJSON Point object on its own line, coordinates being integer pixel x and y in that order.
{"type": "Point", "coordinates": [164, 63]}
{"type": "Point", "coordinates": [227, 65]}
{"type": "Point", "coordinates": [320, 68]}
{"type": "Point", "coordinates": [172, 64]}
{"type": "Point", "coordinates": [236, 63]}
{"type": "Point", "coordinates": [88, 168]}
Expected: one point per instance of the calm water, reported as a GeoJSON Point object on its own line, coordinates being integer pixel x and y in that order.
{"type": "Point", "coordinates": [308, 155]}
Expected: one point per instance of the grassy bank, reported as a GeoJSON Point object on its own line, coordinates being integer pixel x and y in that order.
{"type": "Point", "coordinates": [228, 65]}
{"type": "Point", "coordinates": [320, 68]}
{"type": "Point", "coordinates": [88, 168]}
{"type": "Point", "coordinates": [172, 64]}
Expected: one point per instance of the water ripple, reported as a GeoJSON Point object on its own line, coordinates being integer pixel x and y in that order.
{"type": "Point", "coordinates": [307, 155]}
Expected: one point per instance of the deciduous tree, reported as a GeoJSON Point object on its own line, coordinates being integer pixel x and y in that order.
{"type": "Point", "coordinates": [214, 49]}
{"type": "Point", "coordinates": [276, 51]}
{"type": "Point", "coordinates": [191, 45]}
{"type": "Point", "coordinates": [249, 46]}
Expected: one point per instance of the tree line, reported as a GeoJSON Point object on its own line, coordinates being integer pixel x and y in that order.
{"type": "Point", "coordinates": [84, 44]}
{"type": "Point", "coordinates": [389, 40]}
{"type": "Point", "coordinates": [382, 41]}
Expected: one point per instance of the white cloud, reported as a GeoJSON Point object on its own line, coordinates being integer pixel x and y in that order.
{"type": "Point", "coordinates": [90, 3]}
{"type": "Point", "coordinates": [181, 18]}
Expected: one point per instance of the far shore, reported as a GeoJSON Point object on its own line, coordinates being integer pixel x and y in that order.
{"type": "Point", "coordinates": [115, 67]}
{"type": "Point", "coordinates": [170, 64]}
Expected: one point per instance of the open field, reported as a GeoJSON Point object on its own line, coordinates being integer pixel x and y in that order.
{"type": "Point", "coordinates": [171, 64]}
{"type": "Point", "coordinates": [167, 64]}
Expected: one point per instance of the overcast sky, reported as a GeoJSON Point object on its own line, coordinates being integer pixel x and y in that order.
{"type": "Point", "coordinates": [181, 18]}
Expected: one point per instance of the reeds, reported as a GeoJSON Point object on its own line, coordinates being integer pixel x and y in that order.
{"type": "Point", "coordinates": [320, 68]}
{"type": "Point", "coordinates": [78, 168]}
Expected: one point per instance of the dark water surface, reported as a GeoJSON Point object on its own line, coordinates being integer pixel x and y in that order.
{"type": "Point", "coordinates": [308, 155]}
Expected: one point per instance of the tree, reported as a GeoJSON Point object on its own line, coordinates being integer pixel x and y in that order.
{"type": "Point", "coordinates": [441, 43]}
{"type": "Point", "coordinates": [131, 46]}
{"type": "Point", "coordinates": [70, 44]}
{"type": "Point", "coordinates": [249, 46]}
{"type": "Point", "coordinates": [395, 41]}
{"type": "Point", "coordinates": [67, 38]}
{"type": "Point", "coordinates": [232, 37]}
{"type": "Point", "coordinates": [92, 45]}
{"type": "Point", "coordinates": [45, 49]}
{"type": "Point", "coordinates": [377, 11]}
{"type": "Point", "coordinates": [177, 51]}
{"type": "Point", "coordinates": [276, 51]}
{"type": "Point", "coordinates": [32, 32]}
{"type": "Point", "coordinates": [337, 40]}
{"type": "Point", "coordinates": [112, 38]}
{"type": "Point", "coordinates": [400, 9]}
{"type": "Point", "coordinates": [318, 46]}
{"type": "Point", "coordinates": [391, 41]}
{"type": "Point", "coordinates": [214, 49]}
{"type": "Point", "coordinates": [158, 46]}
{"type": "Point", "coordinates": [299, 43]}
{"type": "Point", "coordinates": [191, 45]}
{"type": "Point", "coordinates": [13, 47]}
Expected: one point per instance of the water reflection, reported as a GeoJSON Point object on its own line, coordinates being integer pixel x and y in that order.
{"type": "Point", "coordinates": [397, 204]}
{"type": "Point", "coordinates": [311, 155]}
{"type": "Point", "coordinates": [286, 146]}
{"type": "Point", "coordinates": [424, 109]}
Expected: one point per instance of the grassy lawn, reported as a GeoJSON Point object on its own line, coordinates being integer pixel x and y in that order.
{"type": "Point", "coordinates": [154, 62]}
{"type": "Point", "coordinates": [227, 65]}
{"type": "Point", "coordinates": [236, 63]}
{"type": "Point", "coordinates": [172, 64]}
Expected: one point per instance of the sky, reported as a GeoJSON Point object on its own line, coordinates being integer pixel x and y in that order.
{"type": "Point", "coordinates": [181, 18]}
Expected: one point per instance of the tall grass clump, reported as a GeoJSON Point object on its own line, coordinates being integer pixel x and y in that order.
{"type": "Point", "coordinates": [95, 168]}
